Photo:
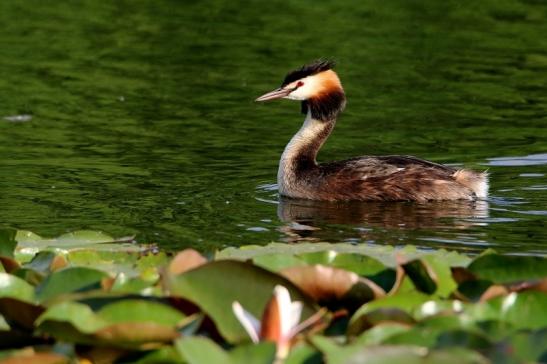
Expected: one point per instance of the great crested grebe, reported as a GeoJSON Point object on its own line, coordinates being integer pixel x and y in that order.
{"type": "Point", "coordinates": [367, 178]}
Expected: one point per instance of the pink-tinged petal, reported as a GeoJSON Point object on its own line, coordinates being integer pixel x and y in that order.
{"type": "Point", "coordinates": [283, 299]}
{"type": "Point", "coordinates": [296, 312]}
{"type": "Point", "coordinates": [248, 321]}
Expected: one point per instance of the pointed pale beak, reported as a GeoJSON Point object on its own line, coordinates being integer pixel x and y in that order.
{"type": "Point", "coordinates": [275, 94]}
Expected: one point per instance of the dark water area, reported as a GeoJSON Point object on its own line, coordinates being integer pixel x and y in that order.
{"type": "Point", "coordinates": [137, 117]}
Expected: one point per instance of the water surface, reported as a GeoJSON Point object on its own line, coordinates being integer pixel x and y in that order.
{"type": "Point", "coordinates": [137, 117]}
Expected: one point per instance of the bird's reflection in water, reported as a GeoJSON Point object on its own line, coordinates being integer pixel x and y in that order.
{"type": "Point", "coordinates": [307, 220]}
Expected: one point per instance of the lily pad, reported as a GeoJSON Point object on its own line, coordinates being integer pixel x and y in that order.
{"type": "Point", "coordinates": [216, 285]}
{"type": "Point", "coordinates": [506, 268]}
{"type": "Point", "coordinates": [333, 287]}
{"type": "Point", "coordinates": [134, 310]}
{"type": "Point", "coordinates": [69, 280]}
{"type": "Point", "coordinates": [423, 277]}
{"type": "Point", "coordinates": [14, 287]}
{"type": "Point", "coordinates": [129, 323]}
{"type": "Point", "coordinates": [200, 350]}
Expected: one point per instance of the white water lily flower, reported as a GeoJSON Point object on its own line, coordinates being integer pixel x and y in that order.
{"type": "Point", "coordinates": [279, 321]}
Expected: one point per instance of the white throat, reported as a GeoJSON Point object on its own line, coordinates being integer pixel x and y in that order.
{"type": "Point", "coordinates": [302, 140]}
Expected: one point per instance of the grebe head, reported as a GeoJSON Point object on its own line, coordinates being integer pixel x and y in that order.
{"type": "Point", "coordinates": [317, 86]}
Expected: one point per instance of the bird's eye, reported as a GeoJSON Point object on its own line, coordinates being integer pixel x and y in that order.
{"type": "Point", "coordinates": [300, 84]}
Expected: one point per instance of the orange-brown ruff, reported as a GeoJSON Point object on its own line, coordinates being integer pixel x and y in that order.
{"type": "Point", "coordinates": [381, 178]}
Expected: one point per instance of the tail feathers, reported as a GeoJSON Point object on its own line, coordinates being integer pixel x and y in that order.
{"type": "Point", "coordinates": [477, 182]}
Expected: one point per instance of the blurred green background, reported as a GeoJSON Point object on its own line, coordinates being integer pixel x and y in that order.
{"type": "Point", "coordinates": [142, 118]}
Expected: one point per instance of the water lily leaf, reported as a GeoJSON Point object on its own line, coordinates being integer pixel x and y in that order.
{"type": "Point", "coordinates": [200, 350]}
{"type": "Point", "coordinates": [142, 335]}
{"type": "Point", "coordinates": [403, 355]}
{"type": "Point", "coordinates": [472, 290]}
{"type": "Point", "coordinates": [133, 310]}
{"type": "Point", "coordinates": [406, 301]}
{"type": "Point", "coordinates": [124, 284]}
{"type": "Point", "coordinates": [69, 280]}
{"type": "Point", "coordinates": [41, 262]}
{"type": "Point", "coordinates": [31, 357]}
{"type": "Point", "coordinates": [462, 338]}
{"type": "Point", "coordinates": [389, 279]}
{"type": "Point", "coordinates": [524, 310]}
{"type": "Point", "coordinates": [277, 262]}
{"type": "Point", "coordinates": [165, 355]}
{"type": "Point", "coordinates": [29, 244]}
{"type": "Point", "coordinates": [530, 346]}
{"type": "Point", "coordinates": [353, 262]}
{"type": "Point", "coordinates": [261, 353]}
{"type": "Point", "coordinates": [7, 242]}
{"type": "Point", "coordinates": [79, 315]}
{"type": "Point", "coordinates": [25, 236]}
{"type": "Point", "coordinates": [380, 333]}
{"type": "Point", "coordinates": [378, 316]}
{"type": "Point", "coordinates": [20, 313]}
{"type": "Point", "coordinates": [421, 274]}
{"type": "Point", "coordinates": [17, 301]}
{"type": "Point", "coordinates": [332, 286]}
{"type": "Point", "coordinates": [384, 254]}
{"type": "Point", "coordinates": [216, 285]}
{"type": "Point", "coordinates": [508, 268]}
{"type": "Point", "coordinates": [4, 326]}
{"type": "Point", "coordinates": [186, 260]}
{"type": "Point", "coordinates": [304, 353]}
{"type": "Point", "coordinates": [14, 287]}
{"type": "Point", "coordinates": [7, 248]}
{"type": "Point", "coordinates": [417, 336]}
{"type": "Point", "coordinates": [74, 238]}
{"type": "Point", "coordinates": [445, 321]}
{"type": "Point", "coordinates": [76, 322]}
{"type": "Point", "coordinates": [443, 273]}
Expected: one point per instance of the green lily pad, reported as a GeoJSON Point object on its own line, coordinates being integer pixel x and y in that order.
{"type": "Point", "coordinates": [304, 353]}
{"type": "Point", "coordinates": [216, 285]}
{"type": "Point", "coordinates": [443, 274]}
{"type": "Point", "coordinates": [164, 355]}
{"type": "Point", "coordinates": [134, 310]}
{"type": "Point", "coordinates": [14, 287]}
{"type": "Point", "coordinates": [144, 323]}
{"type": "Point", "coordinates": [530, 346]}
{"type": "Point", "coordinates": [506, 269]}
{"type": "Point", "coordinates": [277, 262]}
{"type": "Point", "coordinates": [74, 238]}
{"type": "Point", "coordinates": [422, 276]}
{"type": "Point", "coordinates": [7, 242]}
{"type": "Point", "coordinates": [383, 254]}
{"type": "Point", "coordinates": [69, 280]}
{"type": "Point", "coordinates": [79, 315]}
{"type": "Point", "coordinates": [7, 248]}
{"type": "Point", "coordinates": [380, 333]}
{"type": "Point", "coordinates": [353, 262]}
{"type": "Point", "coordinates": [200, 350]}
{"type": "Point", "coordinates": [379, 316]}
{"type": "Point", "coordinates": [401, 354]}
{"type": "Point", "coordinates": [525, 310]}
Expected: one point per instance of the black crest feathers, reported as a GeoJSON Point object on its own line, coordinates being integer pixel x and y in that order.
{"type": "Point", "coordinates": [317, 66]}
{"type": "Point", "coordinates": [327, 107]}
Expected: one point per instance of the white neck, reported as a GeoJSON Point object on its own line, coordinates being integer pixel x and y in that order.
{"type": "Point", "coordinates": [303, 146]}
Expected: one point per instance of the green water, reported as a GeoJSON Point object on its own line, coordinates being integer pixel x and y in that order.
{"type": "Point", "coordinates": [142, 119]}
